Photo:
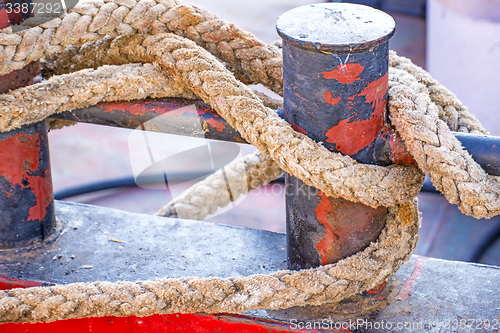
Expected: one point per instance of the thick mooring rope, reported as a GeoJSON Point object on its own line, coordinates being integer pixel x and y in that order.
{"type": "Point", "coordinates": [126, 31]}
{"type": "Point", "coordinates": [325, 284]}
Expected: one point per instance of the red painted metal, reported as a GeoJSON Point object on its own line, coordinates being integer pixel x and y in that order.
{"type": "Point", "coordinates": [7, 283]}
{"type": "Point", "coordinates": [26, 209]}
{"type": "Point", "coordinates": [179, 116]}
{"type": "Point", "coordinates": [196, 323]}
{"type": "Point", "coordinates": [200, 323]}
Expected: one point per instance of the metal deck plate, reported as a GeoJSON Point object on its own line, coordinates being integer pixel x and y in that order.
{"type": "Point", "coordinates": [103, 244]}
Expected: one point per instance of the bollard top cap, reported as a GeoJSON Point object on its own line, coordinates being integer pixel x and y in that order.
{"type": "Point", "coordinates": [335, 26]}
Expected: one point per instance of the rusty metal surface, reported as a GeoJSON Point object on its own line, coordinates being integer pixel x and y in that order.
{"type": "Point", "coordinates": [104, 244]}
{"type": "Point", "coordinates": [333, 229]}
{"type": "Point", "coordinates": [19, 78]}
{"type": "Point", "coordinates": [167, 115]}
{"type": "Point", "coordinates": [386, 149]}
{"type": "Point", "coordinates": [335, 91]}
{"type": "Point", "coordinates": [26, 200]}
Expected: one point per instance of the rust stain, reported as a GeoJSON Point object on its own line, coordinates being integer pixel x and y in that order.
{"type": "Point", "coordinates": [350, 135]}
{"type": "Point", "coordinates": [404, 293]}
{"type": "Point", "coordinates": [322, 214]}
{"type": "Point", "coordinates": [299, 129]}
{"type": "Point", "coordinates": [399, 153]}
{"type": "Point", "coordinates": [330, 99]}
{"type": "Point", "coordinates": [304, 99]}
{"type": "Point", "coordinates": [20, 161]}
{"type": "Point", "coordinates": [377, 289]}
{"type": "Point", "coordinates": [215, 124]}
{"type": "Point", "coordinates": [345, 73]}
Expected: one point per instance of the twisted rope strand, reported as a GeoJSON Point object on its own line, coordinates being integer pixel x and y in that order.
{"type": "Point", "coordinates": [93, 20]}
{"type": "Point", "coordinates": [84, 88]}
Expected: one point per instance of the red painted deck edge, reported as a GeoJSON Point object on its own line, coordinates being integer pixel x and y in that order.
{"type": "Point", "coordinates": [196, 323]}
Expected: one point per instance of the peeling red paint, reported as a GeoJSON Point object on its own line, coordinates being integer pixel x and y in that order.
{"type": "Point", "coordinates": [330, 99]}
{"type": "Point", "coordinates": [350, 135]}
{"type": "Point", "coordinates": [136, 109]}
{"type": "Point", "coordinates": [345, 73]}
{"type": "Point", "coordinates": [404, 293]}
{"type": "Point", "coordinates": [215, 124]}
{"type": "Point", "coordinates": [299, 129]}
{"type": "Point", "coordinates": [322, 214]}
{"type": "Point", "coordinates": [300, 97]}
{"type": "Point", "coordinates": [377, 289]}
{"type": "Point", "coordinates": [20, 159]}
{"type": "Point", "coordinates": [375, 93]}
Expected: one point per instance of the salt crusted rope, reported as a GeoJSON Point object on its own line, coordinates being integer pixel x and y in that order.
{"type": "Point", "coordinates": [84, 88]}
{"type": "Point", "coordinates": [282, 289]}
{"type": "Point", "coordinates": [92, 20]}
{"type": "Point", "coordinates": [437, 152]}
{"type": "Point", "coordinates": [336, 175]}
{"type": "Point", "coordinates": [419, 111]}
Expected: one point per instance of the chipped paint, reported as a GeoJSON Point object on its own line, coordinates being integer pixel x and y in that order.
{"type": "Point", "coordinates": [408, 285]}
{"type": "Point", "coordinates": [20, 156]}
{"type": "Point", "coordinates": [364, 131]}
{"type": "Point", "coordinates": [375, 93]}
{"type": "Point", "coordinates": [329, 236]}
{"type": "Point", "coordinates": [299, 129]}
{"type": "Point", "coordinates": [330, 99]}
{"type": "Point", "coordinates": [345, 73]}
{"type": "Point", "coordinates": [215, 124]}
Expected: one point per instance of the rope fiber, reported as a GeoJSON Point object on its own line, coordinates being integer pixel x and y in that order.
{"type": "Point", "coordinates": [127, 49]}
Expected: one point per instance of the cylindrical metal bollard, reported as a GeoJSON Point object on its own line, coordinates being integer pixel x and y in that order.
{"type": "Point", "coordinates": [335, 63]}
{"type": "Point", "coordinates": [26, 200]}
{"type": "Point", "coordinates": [26, 197]}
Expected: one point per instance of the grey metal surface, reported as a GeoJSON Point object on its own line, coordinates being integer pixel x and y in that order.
{"type": "Point", "coordinates": [429, 294]}
{"type": "Point", "coordinates": [104, 244]}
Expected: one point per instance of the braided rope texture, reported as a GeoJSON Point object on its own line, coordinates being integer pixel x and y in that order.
{"type": "Point", "coordinates": [325, 284]}
{"type": "Point", "coordinates": [336, 175]}
{"type": "Point", "coordinates": [92, 20]}
{"type": "Point", "coordinates": [84, 88]}
{"type": "Point", "coordinates": [437, 152]}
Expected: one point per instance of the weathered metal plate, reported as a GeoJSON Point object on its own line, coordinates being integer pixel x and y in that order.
{"type": "Point", "coordinates": [102, 244]}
